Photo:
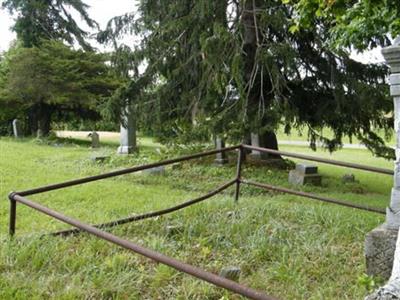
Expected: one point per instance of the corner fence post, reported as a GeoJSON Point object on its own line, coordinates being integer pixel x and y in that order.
{"type": "Point", "coordinates": [238, 172]}
{"type": "Point", "coordinates": [13, 214]}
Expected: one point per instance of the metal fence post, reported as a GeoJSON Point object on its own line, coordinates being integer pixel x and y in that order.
{"type": "Point", "coordinates": [13, 214]}
{"type": "Point", "coordinates": [238, 172]}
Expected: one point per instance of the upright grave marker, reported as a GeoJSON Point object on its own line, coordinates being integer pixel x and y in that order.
{"type": "Point", "coordinates": [127, 132]}
{"type": "Point", "coordinates": [95, 139]}
{"type": "Point", "coordinates": [221, 158]}
{"type": "Point", "coordinates": [380, 243]}
{"type": "Point", "coordinates": [16, 128]}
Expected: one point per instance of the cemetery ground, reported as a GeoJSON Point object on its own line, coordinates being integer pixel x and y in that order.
{"type": "Point", "coordinates": [286, 246]}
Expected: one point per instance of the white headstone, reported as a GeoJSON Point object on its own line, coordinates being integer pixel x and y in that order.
{"type": "Point", "coordinates": [379, 239]}
{"type": "Point", "coordinates": [16, 128]}
{"type": "Point", "coordinates": [128, 132]}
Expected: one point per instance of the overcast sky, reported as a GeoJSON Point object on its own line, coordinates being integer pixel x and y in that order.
{"type": "Point", "coordinates": [104, 10]}
{"type": "Point", "coordinates": [100, 10]}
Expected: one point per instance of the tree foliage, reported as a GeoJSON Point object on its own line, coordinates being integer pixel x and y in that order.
{"type": "Point", "coordinates": [228, 67]}
{"type": "Point", "coordinates": [362, 24]}
{"type": "Point", "coordinates": [54, 81]}
{"type": "Point", "coordinates": [39, 20]}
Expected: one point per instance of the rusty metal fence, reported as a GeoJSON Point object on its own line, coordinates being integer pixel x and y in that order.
{"type": "Point", "coordinates": [97, 230]}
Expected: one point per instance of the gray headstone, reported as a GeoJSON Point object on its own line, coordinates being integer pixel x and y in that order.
{"type": "Point", "coordinates": [155, 171]}
{"type": "Point", "coordinates": [348, 178]}
{"type": "Point", "coordinates": [174, 229]}
{"type": "Point", "coordinates": [95, 139]}
{"type": "Point", "coordinates": [100, 158]}
{"type": "Point", "coordinates": [128, 132]}
{"type": "Point", "coordinates": [176, 166]}
{"type": "Point", "coordinates": [232, 273]}
{"type": "Point", "coordinates": [39, 133]}
{"type": "Point", "coordinates": [257, 155]}
{"type": "Point", "coordinates": [380, 245]}
{"type": "Point", "coordinates": [16, 128]}
{"type": "Point", "coordinates": [221, 158]}
{"type": "Point", "coordinates": [306, 168]}
{"type": "Point", "coordinates": [305, 174]}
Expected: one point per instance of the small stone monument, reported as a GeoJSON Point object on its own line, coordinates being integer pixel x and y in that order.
{"type": "Point", "coordinates": [155, 171]}
{"type": "Point", "coordinates": [95, 139]}
{"type": "Point", "coordinates": [221, 157]}
{"type": "Point", "coordinates": [305, 174]}
{"type": "Point", "coordinates": [257, 155]}
{"type": "Point", "coordinates": [39, 133]}
{"type": "Point", "coordinates": [128, 132]}
{"type": "Point", "coordinates": [232, 273]}
{"type": "Point", "coordinates": [380, 243]}
{"type": "Point", "coordinates": [172, 230]}
{"type": "Point", "coordinates": [16, 128]}
{"type": "Point", "coordinates": [348, 178]}
{"type": "Point", "coordinates": [98, 158]}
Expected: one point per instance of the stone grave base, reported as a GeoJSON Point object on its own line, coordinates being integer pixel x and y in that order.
{"type": "Point", "coordinates": [126, 150]}
{"type": "Point", "coordinates": [380, 245]}
{"type": "Point", "coordinates": [298, 178]}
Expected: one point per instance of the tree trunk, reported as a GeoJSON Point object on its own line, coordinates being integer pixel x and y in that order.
{"type": "Point", "coordinates": [253, 78]}
{"type": "Point", "coordinates": [32, 121]}
{"type": "Point", "coordinates": [44, 118]}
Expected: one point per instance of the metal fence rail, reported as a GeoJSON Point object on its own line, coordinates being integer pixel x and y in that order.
{"type": "Point", "coordinates": [176, 264]}
{"type": "Point", "coordinates": [15, 197]}
{"type": "Point", "coordinates": [321, 160]}
{"type": "Point", "coordinates": [312, 196]}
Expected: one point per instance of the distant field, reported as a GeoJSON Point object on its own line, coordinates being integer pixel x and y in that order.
{"type": "Point", "coordinates": [289, 247]}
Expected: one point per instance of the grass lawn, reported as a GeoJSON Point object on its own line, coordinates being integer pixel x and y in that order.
{"type": "Point", "coordinates": [296, 135]}
{"type": "Point", "coordinates": [287, 246]}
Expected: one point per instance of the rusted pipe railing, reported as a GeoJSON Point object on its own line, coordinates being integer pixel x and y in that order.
{"type": "Point", "coordinates": [238, 173]}
{"type": "Point", "coordinates": [178, 265]}
{"type": "Point", "coordinates": [312, 196]}
{"type": "Point", "coordinates": [122, 172]}
{"type": "Point", "coordinates": [321, 160]}
{"type": "Point", "coordinates": [151, 214]}
{"type": "Point", "coordinates": [196, 272]}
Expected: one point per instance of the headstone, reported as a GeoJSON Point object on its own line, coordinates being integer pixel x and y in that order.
{"type": "Point", "coordinates": [348, 178]}
{"type": "Point", "coordinates": [128, 132]}
{"type": "Point", "coordinates": [305, 174]}
{"type": "Point", "coordinates": [95, 139]}
{"type": "Point", "coordinates": [391, 290]}
{"type": "Point", "coordinates": [265, 140]}
{"type": "Point", "coordinates": [379, 249]}
{"type": "Point", "coordinates": [155, 171]}
{"type": "Point", "coordinates": [16, 128]}
{"type": "Point", "coordinates": [100, 158]}
{"type": "Point", "coordinates": [176, 166]}
{"type": "Point", "coordinates": [232, 273]}
{"type": "Point", "coordinates": [221, 157]}
{"type": "Point", "coordinates": [380, 242]}
{"type": "Point", "coordinates": [257, 155]}
{"type": "Point", "coordinates": [174, 229]}
{"type": "Point", "coordinates": [39, 133]}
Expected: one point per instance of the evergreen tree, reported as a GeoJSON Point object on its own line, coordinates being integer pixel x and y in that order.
{"type": "Point", "coordinates": [54, 81]}
{"type": "Point", "coordinates": [237, 67]}
{"type": "Point", "coordinates": [39, 20]}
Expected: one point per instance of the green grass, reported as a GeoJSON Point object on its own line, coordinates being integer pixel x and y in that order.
{"type": "Point", "coordinates": [301, 135]}
{"type": "Point", "coordinates": [287, 246]}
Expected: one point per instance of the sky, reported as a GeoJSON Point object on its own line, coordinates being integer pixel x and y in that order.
{"type": "Point", "coordinates": [103, 10]}
{"type": "Point", "coordinates": [100, 10]}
